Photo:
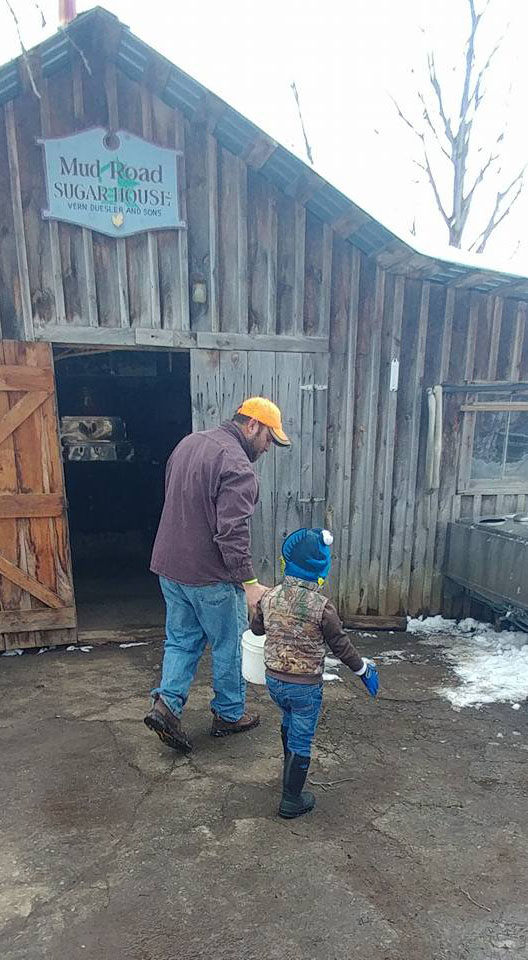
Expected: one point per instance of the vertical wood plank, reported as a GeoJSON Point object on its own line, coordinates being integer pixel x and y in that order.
{"type": "Point", "coordinates": [11, 311]}
{"type": "Point", "coordinates": [233, 382]}
{"type": "Point", "coordinates": [518, 341]}
{"type": "Point", "coordinates": [53, 226]}
{"type": "Point", "coordinates": [152, 261]}
{"type": "Point", "coordinates": [317, 279]}
{"type": "Point", "coordinates": [391, 339]}
{"type": "Point", "coordinates": [265, 549]}
{"type": "Point", "coordinates": [10, 594]}
{"type": "Point", "coordinates": [233, 243]}
{"type": "Point", "coordinates": [205, 388]}
{"type": "Point", "coordinates": [182, 315]}
{"type": "Point", "coordinates": [18, 221]}
{"type": "Point", "coordinates": [434, 516]}
{"type": "Point", "coordinates": [288, 373]}
{"type": "Point", "coordinates": [409, 395]}
{"type": "Point", "coordinates": [120, 244]}
{"type": "Point", "coordinates": [320, 433]}
{"type": "Point", "coordinates": [348, 426]}
{"type": "Point", "coordinates": [372, 390]}
{"type": "Point", "coordinates": [496, 325]}
{"type": "Point", "coordinates": [471, 342]}
{"type": "Point", "coordinates": [307, 439]}
{"type": "Point", "coordinates": [290, 265]}
{"type": "Point", "coordinates": [87, 290]}
{"type": "Point", "coordinates": [202, 216]}
{"type": "Point", "coordinates": [416, 409]}
{"type": "Point", "coordinates": [367, 374]}
{"type": "Point", "coordinates": [337, 404]}
{"type": "Point", "coordinates": [262, 254]}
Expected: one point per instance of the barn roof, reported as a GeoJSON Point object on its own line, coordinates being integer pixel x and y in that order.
{"type": "Point", "coordinates": [243, 138]}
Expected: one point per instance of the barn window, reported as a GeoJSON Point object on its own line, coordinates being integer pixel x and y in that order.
{"type": "Point", "coordinates": [494, 454]}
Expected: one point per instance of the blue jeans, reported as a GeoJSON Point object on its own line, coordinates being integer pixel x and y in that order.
{"type": "Point", "coordinates": [196, 615]}
{"type": "Point", "coordinates": [300, 704]}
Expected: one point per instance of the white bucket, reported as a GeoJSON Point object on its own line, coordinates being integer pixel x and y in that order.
{"type": "Point", "coordinates": [253, 669]}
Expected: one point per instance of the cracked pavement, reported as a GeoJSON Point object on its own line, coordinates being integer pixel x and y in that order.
{"type": "Point", "coordinates": [114, 846]}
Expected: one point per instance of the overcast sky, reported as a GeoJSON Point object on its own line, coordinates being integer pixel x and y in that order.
{"type": "Point", "coordinates": [347, 57]}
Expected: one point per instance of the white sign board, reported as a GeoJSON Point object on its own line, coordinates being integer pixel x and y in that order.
{"type": "Point", "coordinates": [117, 184]}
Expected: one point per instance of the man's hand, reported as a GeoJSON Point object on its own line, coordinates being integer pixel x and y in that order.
{"type": "Point", "coordinates": [254, 592]}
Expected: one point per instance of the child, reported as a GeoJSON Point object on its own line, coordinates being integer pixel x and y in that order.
{"type": "Point", "coordinates": [298, 621]}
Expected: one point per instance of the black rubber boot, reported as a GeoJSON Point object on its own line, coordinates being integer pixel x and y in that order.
{"type": "Point", "coordinates": [284, 738]}
{"type": "Point", "coordinates": [294, 801]}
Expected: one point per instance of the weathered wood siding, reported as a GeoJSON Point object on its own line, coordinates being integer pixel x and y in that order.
{"type": "Point", "coordinates": [256, 287]}
{"type": "Point", "coordinates": [390, 531]}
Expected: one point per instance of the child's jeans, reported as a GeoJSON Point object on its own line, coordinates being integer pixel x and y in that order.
{"type": "Point", "coordinates": [300, 704]}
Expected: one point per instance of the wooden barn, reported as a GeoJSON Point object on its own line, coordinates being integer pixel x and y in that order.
{"type": "Point", "coordinates": [400, 376]}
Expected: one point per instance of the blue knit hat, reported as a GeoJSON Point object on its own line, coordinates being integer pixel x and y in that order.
{"type": "Point", "coordinates": [307, 554]}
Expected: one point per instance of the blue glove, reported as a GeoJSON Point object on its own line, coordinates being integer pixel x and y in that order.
{"type": "Point", "coordinates": [370, 677]}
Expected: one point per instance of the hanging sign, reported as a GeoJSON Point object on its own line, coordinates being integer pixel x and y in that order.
{"type": "Point", "coordinates": [115, 183]}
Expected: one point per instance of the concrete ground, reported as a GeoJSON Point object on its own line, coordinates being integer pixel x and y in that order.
{"type": "Point", "coordinates": [115, 848]}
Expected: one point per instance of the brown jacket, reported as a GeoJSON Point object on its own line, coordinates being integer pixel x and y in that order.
{"type": "Point", "coordinates": [298, 621]}
{"type": "Point", "coordinates": [211, 491]}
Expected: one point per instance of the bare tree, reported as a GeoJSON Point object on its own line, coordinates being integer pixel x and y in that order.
{"type": "Point", "coordinates": [453, 135]}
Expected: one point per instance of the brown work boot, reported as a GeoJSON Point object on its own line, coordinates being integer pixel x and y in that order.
{"type": "Point", "coordinates": [168, 727]}
{"type": "Point", "coordinates": [224, 728]}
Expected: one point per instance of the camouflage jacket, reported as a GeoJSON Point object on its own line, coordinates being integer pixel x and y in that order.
{"type": "Point", "coordinates": [298, 621]}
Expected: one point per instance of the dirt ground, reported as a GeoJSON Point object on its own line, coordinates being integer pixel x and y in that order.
{"type": "Point", "coordinates": [116, 848]}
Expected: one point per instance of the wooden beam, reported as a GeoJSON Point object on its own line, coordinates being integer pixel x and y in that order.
{"type": "Point", "coordinates": [375, 623]}
{"type": "Point", "coordinates": [18, 621]}
{"type": "Point", "coordinates": [15, 575]}
{"type": "Point", "coordinates": [514, 407]}
{"type": "Point", "coordinates": [275, 342]}
{"type": "Point", "coordinates": [25, 378]}
{"type": "Point", "coordinates": [259, 152]}
{"type": "Point", "coordinates": [20, 412]}
{"type": "Point", "coordinates": [31, 505]}
{"type": "Point", "coordinates": [117, 337]}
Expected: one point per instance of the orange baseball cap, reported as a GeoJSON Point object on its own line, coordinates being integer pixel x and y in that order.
{"type": "Point", "coordinates": [266, 412]}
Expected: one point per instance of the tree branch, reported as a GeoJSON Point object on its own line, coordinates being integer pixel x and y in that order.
{"type": "Point", "coordinates": [494, 220]}
{"type": "Point", "coordinates": [436, 87]}
{"type": "Point", "coordinates": [476, 97]}
{"type": "Point", "coordinates": [430, 124]}
{"type": "Point", "coordinates": [427, 169]}
{"type": "Point", "coordinates": [309, 153]}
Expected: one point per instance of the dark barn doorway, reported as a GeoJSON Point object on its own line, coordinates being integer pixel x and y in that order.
{"type": "Point", "coordinates": [121, 413]}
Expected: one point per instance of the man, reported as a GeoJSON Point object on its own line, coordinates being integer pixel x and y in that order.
{"type": "Point", "coordinates": [202, 555]}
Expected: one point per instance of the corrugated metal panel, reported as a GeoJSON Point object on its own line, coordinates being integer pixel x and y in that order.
{"type": "Point", "coordinates": [55, 54]}
{"type": "Point", "coordinates": [490, 562]}
{"type": "Point", "coordinates": [132, 56]}
{"type": "Point", "coordinates": [9, 82]}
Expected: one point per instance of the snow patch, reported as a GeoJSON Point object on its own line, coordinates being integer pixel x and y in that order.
{"type": "Point", "coordinates": [491, 667]}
